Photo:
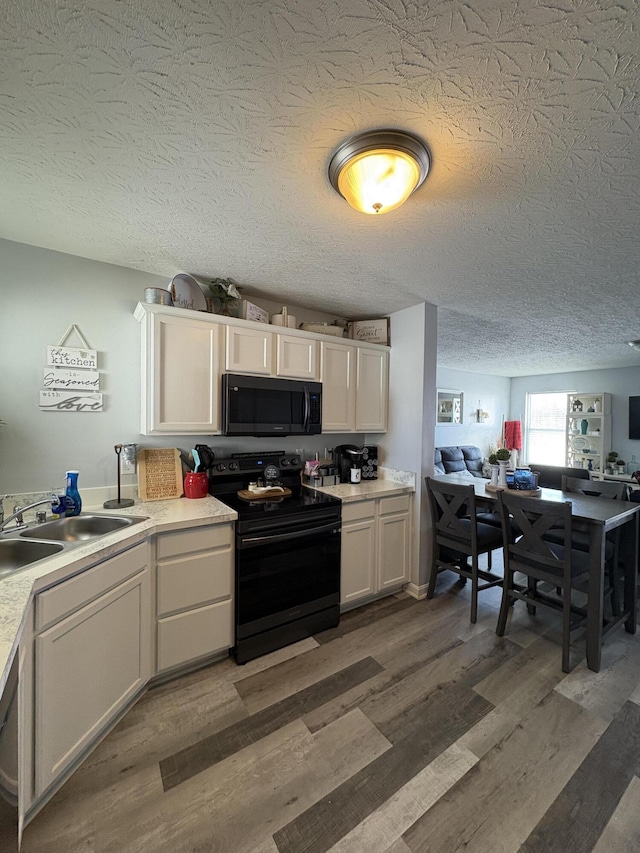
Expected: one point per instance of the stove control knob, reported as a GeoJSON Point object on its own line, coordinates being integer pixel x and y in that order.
{"type": "Point", "coordinates": [220, 467]}
{"type": "Point", "coordinates": [284, 462]}
{"type": "Point", "coordinates": [233, 466]}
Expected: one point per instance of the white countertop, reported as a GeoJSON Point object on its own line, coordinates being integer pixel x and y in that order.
{"type": "Point", "coordinates": [18, 589]}
{"type": "Point", "coordinates": [366, 490]}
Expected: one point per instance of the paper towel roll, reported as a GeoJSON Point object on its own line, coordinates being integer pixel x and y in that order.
{"type": "Point", "coordinates": [277, 320]}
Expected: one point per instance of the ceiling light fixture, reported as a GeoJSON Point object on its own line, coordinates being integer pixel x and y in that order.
{"type": "Point", "coordinates": [634, 344]}
{"type": "Point", "coordinates": [377, 171]}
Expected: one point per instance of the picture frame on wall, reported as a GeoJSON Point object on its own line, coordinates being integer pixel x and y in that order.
{"type": "Point", "coordinates": [449, 408]}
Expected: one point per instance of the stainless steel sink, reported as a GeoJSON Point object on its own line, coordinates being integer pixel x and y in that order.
{"type": "Point", "coordinates": [18, 553]}
{"type": "Point", "coordinates": [79, 528]}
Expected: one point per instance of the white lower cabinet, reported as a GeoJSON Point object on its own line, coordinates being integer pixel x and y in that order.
{"type": "Point", "coordinates": [394, 541]}
{"type": "Point", "coordinates": [91, 662]}
{"type": "Point", "coordinates": [376, 547]}
{"type": "Point", "coordinates": [358, 551]}
{"type": "Point", "coordinates": [194, 594]}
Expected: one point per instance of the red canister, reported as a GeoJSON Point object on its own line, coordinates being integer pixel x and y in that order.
{"type": "Point", "coordinates": [196, 485]}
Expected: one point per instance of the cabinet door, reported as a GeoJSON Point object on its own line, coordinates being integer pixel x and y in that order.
{"type": "Point", "coordinates": [87, 668]}
{"type": "Point", "coordinates": [296, 358]}
{"type": "Point", "coordinates": [181, 376]}
{"type": "Point", "coordinates": [249, 350]}
{"type": "Point", "coordinates": [358, 561]}
{"type": "Point", "coordinates": [372, 390]}
{"type": "Point", "coordinates": [394, 549]}
{"type": "Point", "coordinates": [338, 375]}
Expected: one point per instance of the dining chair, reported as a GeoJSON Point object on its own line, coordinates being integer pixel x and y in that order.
{"type": "Point", "coordinates": [458, 536]}
{"type": "Point", "coordinates": [540, 560]}
{"type": "Point", "coordinates": [600, 489]}
{"type": "Point", "coordinates": [596, 488]}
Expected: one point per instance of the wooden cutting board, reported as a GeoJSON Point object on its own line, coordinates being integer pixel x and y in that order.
{"type": "Point", "coordinates": [246, 495]}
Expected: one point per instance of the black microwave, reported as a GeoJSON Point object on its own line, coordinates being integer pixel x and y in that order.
{"type": "Point", "coordinates": [259, 405]}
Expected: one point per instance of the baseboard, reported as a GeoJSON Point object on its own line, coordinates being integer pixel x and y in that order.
{"type": "Point", "coordinates": [417, 591]}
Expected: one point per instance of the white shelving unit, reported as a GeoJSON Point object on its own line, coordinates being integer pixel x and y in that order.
{"type": "Point", "coordinates": [588, 444]}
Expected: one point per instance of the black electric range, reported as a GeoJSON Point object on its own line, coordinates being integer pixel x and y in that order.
{"type": "Point", "coordinates": [287, 555]}
{"type": "Point", "coordinates": [229, 476]}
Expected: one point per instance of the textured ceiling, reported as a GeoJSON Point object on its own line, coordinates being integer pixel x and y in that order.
{"type": "Point", "coordinates": [194, 135]}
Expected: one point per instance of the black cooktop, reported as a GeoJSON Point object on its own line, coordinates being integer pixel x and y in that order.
{"type": "Point", "coordinates": [304, 502]}
{"type": "Point", "coordinates": [230, 475]}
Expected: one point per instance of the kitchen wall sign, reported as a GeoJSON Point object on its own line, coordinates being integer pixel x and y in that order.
{"type": "Point", "coordinates": [71, 379]}
{"type": "Point", "coordinates": [370, 331]}
{"type": "Point", "coordinates": [80, 380]}
{"type": "Point", "coordinates": [70, 401]}
{"type": "Point", "coordinates": [72, 357]}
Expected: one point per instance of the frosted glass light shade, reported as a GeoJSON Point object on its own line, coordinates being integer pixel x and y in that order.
{"type": "Point", "coordinates": [377, 171]}
{"type": "Point", "coordinates": [379, 181]}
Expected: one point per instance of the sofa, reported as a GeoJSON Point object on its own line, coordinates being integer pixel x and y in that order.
{"type": "Point", "coordinates": [456, 460]}
{"type": "Point", "coordinates": [467, 459]}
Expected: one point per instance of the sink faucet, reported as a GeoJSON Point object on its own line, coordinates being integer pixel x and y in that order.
{"type": "Point", "coordinates": [17, 513]}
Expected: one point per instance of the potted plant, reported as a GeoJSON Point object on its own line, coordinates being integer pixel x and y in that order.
{"type": "Point", "coordinates": [621, 465]}
{"type": "Point", "coordinates": [611, 461]}
{"type": "Point", "coordinates": [503, 456]}
{"type": "Point", "coordinates": [225, 295]}
{"type": "Point", "coordinates": [493, 462]}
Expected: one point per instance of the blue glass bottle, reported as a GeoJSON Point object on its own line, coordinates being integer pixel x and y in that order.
{"type": "Point", "coordinates": [74, 501]}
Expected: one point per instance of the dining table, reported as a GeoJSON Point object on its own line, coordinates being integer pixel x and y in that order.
{"type": "Point", "coordinates": [601, 516]}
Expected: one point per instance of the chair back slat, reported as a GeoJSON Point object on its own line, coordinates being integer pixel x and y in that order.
{"type": "Point", "coordinates": [534, 518]}
{"type": "Point", "coordinates": [449, 504]}
{"type": "Point", "coordinates": [596, 488]}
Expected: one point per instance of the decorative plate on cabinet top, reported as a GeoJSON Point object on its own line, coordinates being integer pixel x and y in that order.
{"type": "Point", "coordinates": [186, 292]}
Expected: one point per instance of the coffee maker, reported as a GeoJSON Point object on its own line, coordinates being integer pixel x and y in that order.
{"type": "Point", "coordinates": [346, 457]}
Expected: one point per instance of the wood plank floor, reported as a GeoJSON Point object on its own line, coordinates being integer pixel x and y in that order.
{"type": "Point", "coordinates": [404, 730]}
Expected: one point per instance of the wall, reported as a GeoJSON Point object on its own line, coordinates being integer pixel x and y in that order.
{"type": "Point", "coordinates": [621, 383]}
{"type": "Point", "coordinates": [492, 392]}
{"type": "Point", "coordinates": [43, 293]}
{"type": "Point", "coordinates": [408, 445]}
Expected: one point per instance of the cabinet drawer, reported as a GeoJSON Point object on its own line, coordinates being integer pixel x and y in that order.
{"type": "Point", "coordinates": [358, 510]}
{"type": "Point", "coordinates": [194, 634]}
{"type": "Point", "coordinates": [195, 539]}
{"type": "Point", "coordinates": [398, 503]}
{"type": "Point", "coordinates": [194, 580]}
{"type": "Point", "coordinates": [68, 596]}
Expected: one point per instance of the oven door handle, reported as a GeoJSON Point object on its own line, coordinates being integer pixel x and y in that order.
{"type": "Point", "coordinates": [252, 541]}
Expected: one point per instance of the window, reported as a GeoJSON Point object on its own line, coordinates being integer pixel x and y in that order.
{"type": "Point", "coordinates": [545, 429]}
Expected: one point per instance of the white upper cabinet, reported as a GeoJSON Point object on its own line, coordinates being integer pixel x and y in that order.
{"type": "Point", "coordinates": [372, 390]}
{"type": "Point", "coordinates": [338, 375]}
{"type": "Point", "coordinates": [296, 357]}
{"type": "Point", "coordinates": [181, 360]}
{"type": "Point", "coordinates": [185, 352]}
{"type": "Point", "coordinates": [249, 350]}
